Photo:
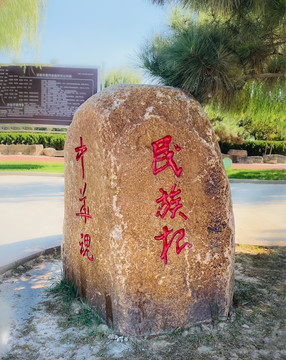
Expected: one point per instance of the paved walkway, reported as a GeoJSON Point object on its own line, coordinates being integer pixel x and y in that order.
{"type": "Point", "coordinates": [259, 213]}
{"type": "Point", "coordinates": [32, 210]}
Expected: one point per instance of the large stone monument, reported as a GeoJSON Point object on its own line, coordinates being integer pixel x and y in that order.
{"type": "Point", "coordinates": [148, 226]}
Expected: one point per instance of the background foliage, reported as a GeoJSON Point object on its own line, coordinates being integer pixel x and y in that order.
{"type": "Point", "coordinates": [56, 141]}
{"type": "Point", "coordinates": [19, 20]}
{"type": "Point", "coordinates": [230, 55]}
{"type": "Point", "coordinates": [123, 75]}
{"type": "Point", "coordinates": [255, 148]}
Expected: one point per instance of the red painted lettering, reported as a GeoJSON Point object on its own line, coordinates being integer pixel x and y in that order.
{"type": "Point", "coordinates": [167, 245]}
{"type": "Point", "coordinates": [86, 244]}
{"type": "Point", "coordinates": [166, 205]}
{"type": "Point", "coordinates": [84, 210]}
{"type": "Point", "coordinates": [161, 152]}
{"type": "Point", "coordinates": [80, 152]}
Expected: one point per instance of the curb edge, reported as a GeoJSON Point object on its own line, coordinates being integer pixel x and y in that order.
{"type": "Point", "coordinates": [22, 261]}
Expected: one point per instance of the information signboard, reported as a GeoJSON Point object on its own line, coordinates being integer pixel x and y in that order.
{"type": "Point", "coordinates": [44, 95]}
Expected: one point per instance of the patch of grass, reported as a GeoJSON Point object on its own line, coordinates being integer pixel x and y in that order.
{"type": "Point", "coordinates": [256, 174]}
{"type": "Point", "coordinates": [21, 269]}
{"type": "Point", "coordinates": [57, 253]}
{"type": "Point", "coordinates": [65, 290]}
{"type": "Point", "coordinates": [246, 293]}
{"type": "Point", "coordinates": [75, 312]}
{"type": "Point", "coordinates": [252, 249]}
{"type": "Point", "coordinates": [32, 166]}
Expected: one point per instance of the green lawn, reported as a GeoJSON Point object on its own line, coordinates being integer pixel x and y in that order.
{"type": "Point", "coordinates": [32, 166]}
{"type": "Point", "coordinates": [59, 168]}
{"type": "Point", "coordinates": [256, 174]}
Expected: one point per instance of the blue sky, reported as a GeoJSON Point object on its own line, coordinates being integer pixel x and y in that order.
{"type": "Point", "coordinates": [94, 33]}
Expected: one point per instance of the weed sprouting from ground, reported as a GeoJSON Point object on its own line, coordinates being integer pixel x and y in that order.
{"type": "Point", "coordinates": [246, 293]}
{"type": "Point", "coordinates": [66, 300]}
{"type": "Point", "coordinates": [65, 289]}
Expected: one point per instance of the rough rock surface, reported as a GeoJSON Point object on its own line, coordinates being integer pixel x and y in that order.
{"type": "Point", "coordinates": [237, 155]}
{"type": "Point", "coordinates": [236, 152]}
{"type": "Point", "coordinates": [20, 149]}
{"type": "Point", "coordinates": [49, 152]}
{"type": "Point", "coordinates": [148, 257]}
{"type": "Point", "coordinates": [274, 159]}
{"type": "Point", "coordinates": [254, 160]}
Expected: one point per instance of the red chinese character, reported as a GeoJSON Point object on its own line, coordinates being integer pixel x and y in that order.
{"type": "Point", "coordinates": [174, 201]}
{"type": "Point", "coordinates": [85, 243]}
{"type": "Point", "coordinates": [167, 245]}
{"type": "Point", "coordinates": [84, 210]}
{"type": "Point", "coordinates": [161, 152]}
{"type": "Point", "coordinates": [80, 152]}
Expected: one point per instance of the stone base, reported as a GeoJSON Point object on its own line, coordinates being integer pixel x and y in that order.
{"type": "Point", "coordinates": [274, 159]}
{"type": "Point", "coordinates": [49, 152]}
{"type": "Point", "coordinates": [254, 160]}
{"type": "Point", "coordinates": [34, 150]}
{"type": "Point", "coordinates": [237, 154]}
{"type": "Point", "coordinates": [250, 160]}
{"type": "Point", "coordinates": [266, 159]}
{"type": "Point", "coordinates": [59, 153]}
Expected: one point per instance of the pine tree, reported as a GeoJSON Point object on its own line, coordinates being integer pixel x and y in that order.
{"type": "Point", "coordinates": [216, 47]}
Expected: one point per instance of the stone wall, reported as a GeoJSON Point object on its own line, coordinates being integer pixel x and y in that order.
{"type": "Point", "coordinates": [33, 150]}
{"type": "Point", "coordinates": [240, 156]}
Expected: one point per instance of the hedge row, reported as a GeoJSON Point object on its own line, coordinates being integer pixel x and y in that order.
{"type": "Point", "coordinates": [56, 141]}
{"type": "Point", "coordinates": [256, 148]}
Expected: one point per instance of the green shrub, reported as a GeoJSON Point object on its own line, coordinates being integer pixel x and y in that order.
{"type": "Point", "coordinates": [255, 148]}
{"type": "Point", "coordinates": [56, 141]}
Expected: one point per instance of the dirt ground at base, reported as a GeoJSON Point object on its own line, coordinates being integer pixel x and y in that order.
{"type": "Point", "coordinates": [49, 322]}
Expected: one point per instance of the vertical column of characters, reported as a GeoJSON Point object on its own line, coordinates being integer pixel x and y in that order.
{"type": "Point", "coordinates": [170, 202]}
{"type": "Point", "coordinates": [84, 210]}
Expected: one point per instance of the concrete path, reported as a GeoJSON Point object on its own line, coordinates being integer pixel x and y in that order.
{"type": "Point", "coordinates": [260, 213]}
{"type": "Point", "coordinates": [31, 209]}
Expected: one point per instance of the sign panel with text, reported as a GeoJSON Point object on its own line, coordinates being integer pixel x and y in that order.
{"type": "Point", "coordinates": [44, 95]}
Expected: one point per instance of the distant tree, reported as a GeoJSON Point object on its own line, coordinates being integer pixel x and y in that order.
{"type": "Point", "coordinates": [19, 21]}
{"type": "Point", "coordinates": [123, 75]}
{"type": "Point", "coordinates": [257, 111]}
{"type": "Point", "coordinates": [215, 47]}
{"type": "Point", "coordinates": [230, 55]}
